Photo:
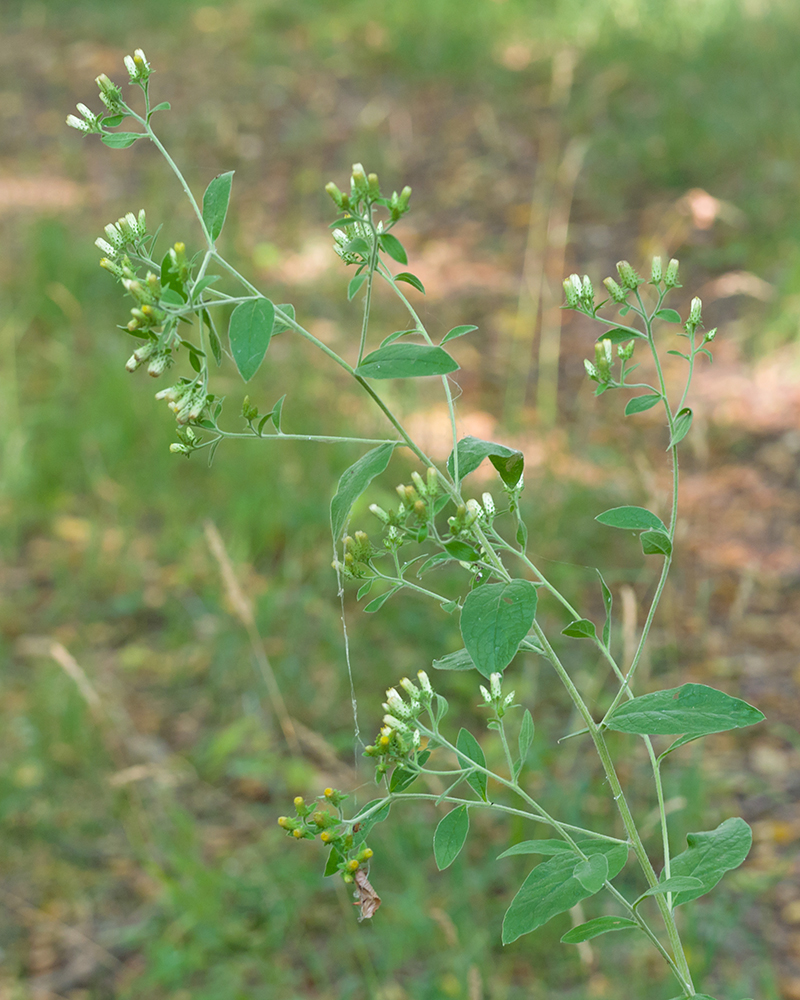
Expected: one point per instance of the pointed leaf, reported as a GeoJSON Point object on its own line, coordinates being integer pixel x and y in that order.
{"type": "Point", "coordinates": [527, 731]}
{"type": "Point", "coordinates": [462, 551]}
{"type": "Point", "coordinates": [619, 335]}
{"type": "Point", "coordinates": [450, 836]}
{"type": "Point", "coordinates": [669, 315]}
{"type": "Point", "coordinates": [608, 603]}
{"type": "Point", "coordinates": [494, 620]}
{"type": "Point", "coordinates": [691, 708]}
{"type": "Point", "coordinates": [546, 847]}
{"type": "Point", "coordinates": [249, 332]}
{"type": "Point", "coordinates": [641, 403]}
{"type": "Point", "coordinates": [332, 864]}
{"type": "Point", "coordinates": [275, 414]}
{"type": "Point", "coordinates": [710, 855]}
{"type": "Point", "coordinates": [472, 451]}
{"type": "Point", "coordinates": [680, 426]}
{"type": "Point", "coordinates": [460, 660]}
{"type": "Point", "coordinates": [594, 928]}
{"type": "Point", "coordinates": [365, 826]}
{"type": "Point", "coordinates": [365, 588]}
{"type": "Point", "coordinates": [580, 629]}
{"type": "Point", "coordinates": [592, 873]}
{"type": "Point", "coordinates": [677, 883]}
{"type": "Point", "coordinates": [396, 336]}
{"type": "Point", "coordinates": [354, 285]}
{"type": "Point", "coordinates": [406, 361]}
{"type": "Point", "coordinates": [551, 888]}
{"type": "Point", "coordinates": [163, 106]}
{"type": "Point", "coordinates": [353, 482]}
{"type": "Point", "coordinates": [655, 543]}
{"type": "Point", "coordinates": [215, 203]}
{"type": "Point", "coordinates": [393, 247]}
{"type": "Point", "coordinates": [410, 279]}
{"type": "Point", "coordinates": [631, 519]}
{"type": "Point", "coordinates": [467, 745]}
{"type": "Point", "coordinates": [280, 326]}
{"type": "Point", "coordinates": [457, 331]}
{"type": "Point", "coordinates": [379, 602]}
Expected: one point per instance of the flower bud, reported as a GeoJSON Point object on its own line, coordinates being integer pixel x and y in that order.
{"type": "Point", "coordinates": [365, 854]}
{"type": "Point", "coordinates": [131, 67]}
{"type": "Point", "coordinates": [617, 294]}
{"type": "Point", "coordinates": [419, 483]}
{"type": "Point", "coordinates": [591, 370]}
{"type": "Point", "coordinates": [656, 271]}
{"type": "Point", "coordinates": [360, 184]}
{"type": "Point", "coordinates": [335, 193]}
{"type": "Point", "coordinates": [571, 294]}
{"type": "Point", "coordinates": [402, 201]}
{"type": "Point", "coordinates": [178, 449]}
{"type": "Point", "coordinates": [106, 247]}
{"type": "Point", "coordinates": [352, 865]}
{"type": "Point", "coordinates": [495, 681]}
{"type": "Point", "coordinates": [628, 276]}
{"type": "Point", "coordinates": [159, 364]}
{"type": "Point", "coordinates": [379, 512]}
{"type": "Point", "coordinates": [424, 683]}
{"type": "Point", "coordinates": [695, 312]}
{"type": "Point", "coordinates": [486, 696]}
{"type": "Point", "coordinates": [710, 336]}
{"type": "Point", "coordinates": [109, 265]}
{"type": "Point", "coordinates": [587, 291]}
{"type": "Point", "coordinates": [625, 351]}
{"type": "Point", "coordinates": [488, 504]}
{"type": "Point", "coordinates": [74, 122]}
{"type": "Point", "coordinates": [432, 479]}
{"type": "Point", "coordinates": [508, 701]}
{"type": "Point", "coordinates": [374, 186]}
{"type": "Point", "coordinates": [671, 277]}
{"type": "Point", "coordinates": [410, 689]}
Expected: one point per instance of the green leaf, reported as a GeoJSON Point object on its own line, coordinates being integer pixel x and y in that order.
{"type": "Point", "coordinates": [215, 203]}
{"type": "Point", "coordinates": [677, 883]}
{"type": "Point", "coordinates": [275, 414]}
{"type": "Point", "coordinates": [410, 279]}
{"type": "Point", "coordinates": [580, 629]}
{"type": "Point", "coordinates": [546, 847]}
{"type": "Point", "coordinates": [608, 603]}
{"type": "Point", "coordinates": [365, 588]}
{"type": "Point", "coordinates": [437, 559]}
{"type": "Point", "coordinates": [396, 336]}
{"type": "Point", "coordinates": [460, 660]}
{"type": "Point", "coordinates": [457, 331]}
{"type": "Point", "coordinates": [111, 121]}
{"type": "Point", "coordinates": [494, 620]}
{"type": "Point", "coordinates": [641, 403]}
{"type": "Point", "coordinates": [358, 245]}
{"type": "Point", "coordinates": [522, 535]}
{"type": "Point", "coordinates": [450, 836]}
{"type": "Point", "coordinates": [169, 297]}
{"type": "Point", "coordinates": [668, 315]}
{"type": "Point", "coordinates": [594, 928]}
{"type": "Point", "coordinates": [406, 361]}
{"type": "Point", "coordinates": [655, 543]}
{"type": "Point", "coordinates": [200, 286]}
{"type": "Point", "coordinates": [592, 873]}
{"type": "Point", "coordinates": [121, 140]}
{"type": "Point", "coordinates": [249, 332]}
{"type": "Point", "coordinates": [213, 338]}
{"type": "Point", "coordinates": [680, 426]}
{"type": "Point", "coordinates": [691, 708]}
{"type": "Point", "coordinates": [461, 550]}
{"type": "Point", "coordinates": [468, 746]}
{"type": "Point", "coordinates": [280, 326]}
{"type": "Point", "coordinates": [393, 247]}
{"type": "Point", "coordinates": [441, 707]}
{"type": "Point", "coordinates": [332, 864]}
{"type": "Point", "coordinates": [631, 519]}
{"type": "Point", "coordinates": [379, 602]}
{"type": "Point", "coordinates": [679, 354]}
{"type": "Point", "coordinates": [170, 276]}
{"type": "Point", "coordinates": [551, 888]}
{"type": "Point", "coordinates": [527, 731]}
{"type": "Point", "coordinates": [365, 826]}
{"type": "Point", "coordinates": [163, 106]}
{"type": "Point", "coordinates": [472, 451]}
{"type": "Point", "coordinates": [353, 482]}
{"type": "Point", "coordinates": [402, 777]}
{"type": "Point", "coordinates": [354, 285]}
{"type": "Point", "coordinates": [710, 855]}
{"type": "Point", "coordinates": [619, 335]}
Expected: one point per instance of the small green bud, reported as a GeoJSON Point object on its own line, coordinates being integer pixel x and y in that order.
{"type": "Point", "coordinates": [432, 478]}
{"type": "Point", "coordinates": [334, 192]}
{"type": "Point", "coordinates": [656, 271]}
{"type": "Point", "coordinates": [418, 482]}
{"type": "Point", "coordinates": [365, 854]}
{"type": "Point", "coordinates": [359, 182]}
{"type": "Point", "coordinates": [380, 513]}
{"type": "Point", "coordinates": [109, 265]}
{"type": "Point", "coordinates": [106, 247]}
{"type": "Point", "coordinates": [591, 370]}
{"type": "Point", "coordinates": [617, 294]}
{"type": "Point", "coordinates": [374, 186]}
{"type": "Point", "coordinates": [710, 336]}
{"type": "Point", "coordinates": [159, 363]}
{"type": "Point", "coordinates": [587, 292]}
{"type": "Point", "coordinates": [300, 806]}
{"type": "Point", "coordinates": [402, 201]}
{"type": "Point", "coordinates": [110, 94]}
{"type": "Point", "coordinates": [179, 449]}
{"type": "Point", "coordinates": [571, 293]}
{"type": "Point", "coordinates": [628, 276]}
{"type": "Point", "coordinates": [671, 277]}
{"type": "Point", "coordinates": [695, 312]}
{"type": "Point", "coordinates": [625, 351]}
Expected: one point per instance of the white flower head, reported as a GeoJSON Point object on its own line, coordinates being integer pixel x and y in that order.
{"type": "Point", "coordinates": [74, 122]}
{"type": "Point", "coordinates": [106, 247]}
{"type": "Point", "coordinates": [495, 681]}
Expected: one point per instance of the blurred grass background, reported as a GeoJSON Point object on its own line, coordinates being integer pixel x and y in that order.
{"type": "Point", "coordinates": [139, 854]}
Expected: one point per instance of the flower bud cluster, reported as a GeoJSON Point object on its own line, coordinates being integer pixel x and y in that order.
{"type": "Point", "coordinates": [494, 696]}
{"type": "Point", "coordinates": [358, 551]}
{"type": "Point", "coordinates": [629, 277]}
{"type": "Point", "coordinates": [579, 293]}
{"type": "Point", "coordinates": [138, 67]}
{"type": "Point", "coordinates": [399, 736]}
{"type": "Point", "coordinates": [186, 399]}
{"type": "Point", "coordinates": [129, 229]}
{"type": "Point", "coordinates": [90, 122]}
{"type": "Point", "coordinates": [110, 94]}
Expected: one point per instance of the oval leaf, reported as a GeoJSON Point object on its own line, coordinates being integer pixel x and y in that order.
{"type": "Point", "coordinates": [353, 482]}
{"type": "Point", "coordinates": [394, 248]}
{"type": "Point", "coordinates": [379, 602]}
{"type": "Point", "coordinates": [527, 731]}
{"type": "Point", "coordinates": [680, 426]}
{"type": "Point", "coordinates": [675, 884]}
{"type": "Point", "coordinates": [365, 826]}
{"type": "Point", "coordinates": [580, 629]}
{"type": "Point", "coordinates": [546, 847]}
{"type": "Point", "coordinates": [592, 873]}
{"type": "Point", "coordinates": [710, 855]}
{"type": "Point", "coordinates": [655, 543]}
{"type": "Point", "coordinates": [249, 332]}
{"type": "Point", "coordinates": [494, 620]}
{"type": "Point", "coordinates": [406, 361]}
{"type": "Point", "coordinates": [669, 315]}
{"type": "Point", "coordinates": [280, 326]}
{"type": "Point", "coordinates": [641, 403]}
{"type": "Point", "coordinates": [355, 284]}
{"type": "Point", "coordinates": [460, 660]}
{"type": "Point", "coordinates": [631, 519]}
{"type": "Point", "coordinates": [691, 708]}
{"type": "Point", "coordinates": [468, 746]}
{"type": "Point", "coordinates": [120, 140]}
{"type": "Point", "coordinates": [551, 888]}
{"type": "Point", "coordinates": [450, 836]}
{"type": "Point", "coordinates": [215, 203]}
{"type": "Point", "coordinates": [509, 462]}
{"type": "Point", "coordinates": [619, 335]}
{"type": "Point", "coordinates": [594, 928]}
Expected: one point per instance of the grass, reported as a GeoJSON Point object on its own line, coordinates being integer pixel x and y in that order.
{"type": "Point", "coordinates": [177, 871]}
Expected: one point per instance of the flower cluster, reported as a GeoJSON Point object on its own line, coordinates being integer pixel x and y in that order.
{"type": "Point", "coordinates": [187, 399]}
{"type": "Point", "coordinates": [399, 737]}
{"type": "Point", "coordinates": [129, 230]}
{"type": "Point", "coordinates": [494, 696]}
